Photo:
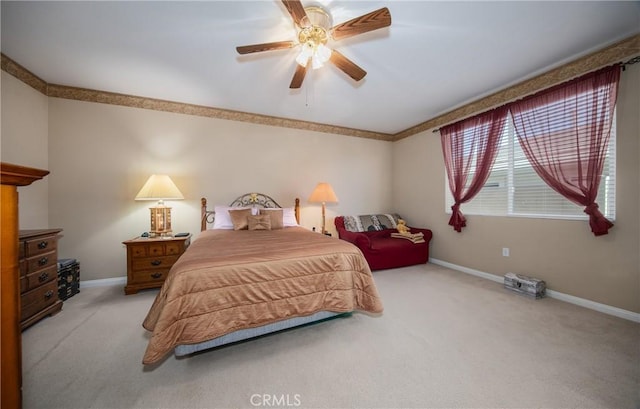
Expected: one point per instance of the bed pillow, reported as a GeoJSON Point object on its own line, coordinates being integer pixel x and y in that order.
{"type": "Point", "coordinates": [239, 218]}
{"type": "Point", "coordinates": [276, 216]}
{"type": "Point", "coordinates": [289, 217]}
{"type": "Point", "coordinates": [222, 218]}
{"type": "Point", "coordinates": [262, 222]}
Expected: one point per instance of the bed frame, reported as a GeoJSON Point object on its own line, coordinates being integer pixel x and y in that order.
{"type": "Point", "coordinates": [207, 217]}
{"type": "Point", "coordinates": [247, 200]}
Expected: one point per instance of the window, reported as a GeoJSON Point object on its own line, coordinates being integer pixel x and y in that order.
{"type": "Point", "coordinates": [515, 189]}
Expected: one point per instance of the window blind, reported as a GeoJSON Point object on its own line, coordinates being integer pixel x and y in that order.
{"type": "Point", "coordinates": [515, 189]}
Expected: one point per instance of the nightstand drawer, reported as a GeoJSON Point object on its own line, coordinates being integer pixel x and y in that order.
{"type": "Point", "coordinates": [38, 299]}
{"type": "Point", "coordinates": [153, 263]}
{"type": "Point", "coordinates": [147, 250]}
{"type": "Point", "coordinates": [176, 248]}
{"type": "Point", "coordinates": [149, 260]}
{"type": "Point", "coordinates": [149, 276]}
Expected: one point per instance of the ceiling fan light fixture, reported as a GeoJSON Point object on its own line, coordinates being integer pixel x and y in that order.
{"type": "Point", "coordinates": [321, 55]}
{"type": "Point", "coordinates": [315, 28]}
{"type": "Point", "coordinates": [305, 53]}
{"type": "Point", "coordinates": [313, 40]}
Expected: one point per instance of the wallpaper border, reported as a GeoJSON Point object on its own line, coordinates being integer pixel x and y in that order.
{"type": "Point", "coordinates": [614, 53]}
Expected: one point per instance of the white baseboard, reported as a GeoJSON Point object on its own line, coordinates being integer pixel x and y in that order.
{"type": "Point", "coordinates": [604, 308]}
{"type": "Point", "coordinates": [103, 282]}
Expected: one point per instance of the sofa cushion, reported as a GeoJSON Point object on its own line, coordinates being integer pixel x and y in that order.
{"type": "Point", "coordinates": [371, 222]}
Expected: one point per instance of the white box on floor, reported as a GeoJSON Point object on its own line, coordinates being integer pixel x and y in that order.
{"type": "Point", "coordinates": [522, 284]}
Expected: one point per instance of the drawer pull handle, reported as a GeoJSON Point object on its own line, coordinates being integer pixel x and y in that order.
{"type": "Point", "coordinates": [156, 275]}
{"type": "Point", "coordinates": [43, 261]}
{"type": "Point", "coordinates": [43, 245]}
{"type": "Point", "coordinates": [48, 294]}
{"type": "Point", "coordinates": [156, 262]}
{"type": "Point", "coordinates": [43, 277]}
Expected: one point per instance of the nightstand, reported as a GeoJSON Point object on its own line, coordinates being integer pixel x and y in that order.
{"type": "Point", "coordinates": [149, 260]}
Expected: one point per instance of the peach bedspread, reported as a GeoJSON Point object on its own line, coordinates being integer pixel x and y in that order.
{"type": "Point", "coordinates": [229, 280]}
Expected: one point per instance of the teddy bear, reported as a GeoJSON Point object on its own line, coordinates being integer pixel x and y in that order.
{"type": "Point", "coordinates": [402, 227]}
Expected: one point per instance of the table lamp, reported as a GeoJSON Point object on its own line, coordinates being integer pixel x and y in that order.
{"type": "Point", "coordinates": [160, 188]}
{"type": "Point", "coordinates": [323, 193]}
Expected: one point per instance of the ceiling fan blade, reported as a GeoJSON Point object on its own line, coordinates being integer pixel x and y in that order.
{"type": "Point", "coordinates": [368, 22]}
{"type": "Point", "coordinates": [256, 48]}
{"type": "Point", "coordinates": [295, 8]}
{"type": "Point", "coordinates": [348, 66]}
{"type": "Point", "coordinates": [298, 77]}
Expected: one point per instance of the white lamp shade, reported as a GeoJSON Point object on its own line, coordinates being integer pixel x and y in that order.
{"type": "Point", "coordinates": [159, 187]}
{"type": "Point", "coordinates": [323, 193]}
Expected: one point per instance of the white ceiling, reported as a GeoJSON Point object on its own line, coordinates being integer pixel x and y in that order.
{"type": "Point", "coordinates": [434, 57]}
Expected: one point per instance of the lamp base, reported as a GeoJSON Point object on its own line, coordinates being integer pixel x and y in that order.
{"type": "Point", "coordinates": [161, 235]}
{"type": "Point", "coordinates": [160, 221]}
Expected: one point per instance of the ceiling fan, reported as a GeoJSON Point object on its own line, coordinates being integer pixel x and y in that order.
{"type": "Point", "coordinates": [314, 31]}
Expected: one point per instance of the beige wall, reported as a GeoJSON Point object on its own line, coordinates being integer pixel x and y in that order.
{"type": "Point", "coordinates": [565, 254]}
{"type": "Point", "coordinates": [101, 155]}
{"type": "Point", "coordinates": [24, 142]}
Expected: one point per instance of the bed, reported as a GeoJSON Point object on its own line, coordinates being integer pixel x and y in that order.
{"type": "Point", "coordinates": [255, 272]}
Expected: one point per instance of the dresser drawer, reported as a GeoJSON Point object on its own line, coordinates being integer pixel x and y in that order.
{"type": "Point", "coordinates": [24, 284]}
{"type": "Point", "coordinates": [41, 261]}
{"type": "Point", "coordinates": [40, 277]}
{"type": "Point", "coordinates": [38, 266]}
{"type": "Point", "coordinates": [40, 245]}
{"type": "Point", "coordinates": [39, 298]}
{"type": "Point", "coordinates": [154, 263]}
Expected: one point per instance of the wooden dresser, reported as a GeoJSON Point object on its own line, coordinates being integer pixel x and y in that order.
{"type": "Point", "coordinates": [150, 259]}
{"type": "Point", "coordinates": [12, 176]}
{"type": "Point", "coordinates": [38, 261]}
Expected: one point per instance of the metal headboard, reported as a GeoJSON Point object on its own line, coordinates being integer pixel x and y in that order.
{"type": "Point", "coordinates": [247, 200]}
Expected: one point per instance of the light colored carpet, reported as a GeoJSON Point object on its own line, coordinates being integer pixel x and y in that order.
{"type": "Point", "coordinates": [445, 339]}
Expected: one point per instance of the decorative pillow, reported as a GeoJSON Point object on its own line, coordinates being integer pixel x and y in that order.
{"type": "Point", "coordinates": [239, 218]}
{"type": "Point", "coordinates": [371, 222]}
{"type": "Point", "coordinates": [262, 222]}
{"type": "Point", "coordinates": [276, 216]}
{"type": "Point", "coordinates": [222, 218]}
{"type": "Point", "coordinates": [289, 217]}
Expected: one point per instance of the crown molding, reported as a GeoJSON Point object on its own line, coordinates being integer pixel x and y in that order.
{"type": "Point", "coordinates": [614, 53]}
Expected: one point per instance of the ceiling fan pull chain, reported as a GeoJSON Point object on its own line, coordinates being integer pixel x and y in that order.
{"type": "Point", "coordinates": [309, 90]}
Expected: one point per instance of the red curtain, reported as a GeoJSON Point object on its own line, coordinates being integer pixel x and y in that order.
{"type": "Point", "coordinates": [470, 147]}
{"type": "Point", "coordinates": [564, 132]}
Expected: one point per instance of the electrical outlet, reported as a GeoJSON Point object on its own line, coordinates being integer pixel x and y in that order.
{"type": "Point", "coordinates": [505, 252]}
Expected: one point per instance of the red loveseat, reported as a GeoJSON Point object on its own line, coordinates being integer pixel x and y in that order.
{"type": "Point", "coordinates": [380, 249]}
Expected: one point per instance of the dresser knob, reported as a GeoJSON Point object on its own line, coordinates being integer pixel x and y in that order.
{"type": "Point", "coordinates": [156, 262]}
{"type": "Point", "coordinates": [156, 275]}
{"type": "Point", "coordinates": [48, 294]}
{"type": "Point", "coordinates": [43, 261]}
{"type": "Point", "coordinates": [43, 245]}
{"type": "Point", "coordinates": [43, 277]}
